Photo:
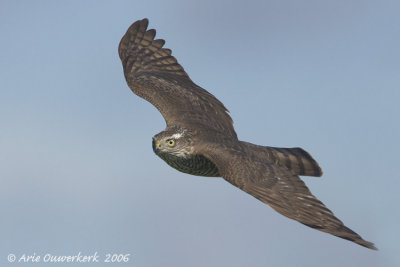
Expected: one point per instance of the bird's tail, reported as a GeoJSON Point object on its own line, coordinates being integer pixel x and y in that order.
{"type": "Point", "coordinates": [296, 159]}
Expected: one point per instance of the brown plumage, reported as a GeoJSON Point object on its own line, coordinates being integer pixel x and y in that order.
{"type": "Point", "coordinates": [200, 139]}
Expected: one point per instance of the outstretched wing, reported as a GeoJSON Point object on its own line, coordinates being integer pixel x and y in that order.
{"type": "Point", "coordinates": [279, 188]}
{"type": "Point", "coordinates": [152, 73]}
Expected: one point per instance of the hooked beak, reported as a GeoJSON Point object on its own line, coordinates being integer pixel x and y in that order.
{"type": "Point", "coordinates": [156, 146]}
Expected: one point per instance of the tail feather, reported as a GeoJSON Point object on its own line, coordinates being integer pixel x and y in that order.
{"type": "Point", "coordinates": [295, 159]}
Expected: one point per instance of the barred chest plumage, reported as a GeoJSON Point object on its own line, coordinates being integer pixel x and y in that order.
{"type": "Point", "coordinates": [195, 165]}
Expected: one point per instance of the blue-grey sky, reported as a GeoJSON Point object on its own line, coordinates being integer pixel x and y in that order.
{"type": "Point", "coordinates": [76, 165]}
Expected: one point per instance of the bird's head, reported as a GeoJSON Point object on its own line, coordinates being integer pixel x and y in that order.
{"type": "Point", "coordinates": [173, 140]}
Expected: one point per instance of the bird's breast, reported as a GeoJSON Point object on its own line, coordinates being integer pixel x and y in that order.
{"type": "Point", "coordinates": [195, 165]}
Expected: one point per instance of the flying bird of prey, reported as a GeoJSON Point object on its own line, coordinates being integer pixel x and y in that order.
{"type": "Point", "coordinates": [199, 138]}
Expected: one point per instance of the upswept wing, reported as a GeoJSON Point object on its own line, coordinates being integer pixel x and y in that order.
{"type": "Point", "coordinates": [277, 187]}
{"type": "Point", "coordinates": [155, 75]}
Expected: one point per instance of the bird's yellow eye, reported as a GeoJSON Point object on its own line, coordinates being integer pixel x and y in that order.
{"type": "Point", "coordinates": [170, 142]}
